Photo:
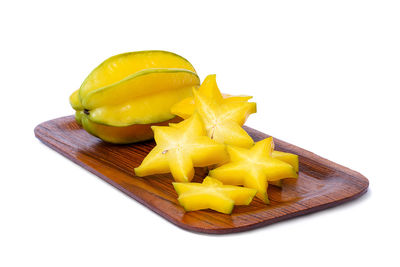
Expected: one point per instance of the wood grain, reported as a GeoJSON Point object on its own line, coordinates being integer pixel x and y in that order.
{"type": "Point", "coordinates": [321, 183]}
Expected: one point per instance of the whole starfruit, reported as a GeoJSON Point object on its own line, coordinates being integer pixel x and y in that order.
{"type": "Point", "coordinates": [128, 93]}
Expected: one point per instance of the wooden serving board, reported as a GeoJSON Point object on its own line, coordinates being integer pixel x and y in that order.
{"type": "Point", "coordinates": [321, 183]}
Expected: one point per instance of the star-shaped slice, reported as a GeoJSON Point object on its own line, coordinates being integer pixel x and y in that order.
{"type": "Point", "coordinates": [253, 168]}
{"type": "Point", "coordinates": [181, 148]}
{"type": "Point", "coordinates": [223, 118]}
{"type": "Point", "coordinates": [186, 107]}
{"type": "Point", "coordinates": [212, 194]}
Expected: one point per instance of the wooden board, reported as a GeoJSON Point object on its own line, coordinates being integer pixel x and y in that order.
{"type": "Point", "coordinates": [321, 183]}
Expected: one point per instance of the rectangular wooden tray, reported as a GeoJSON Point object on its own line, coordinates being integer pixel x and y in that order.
{"type": "Point", "coordinates": [321, 183]}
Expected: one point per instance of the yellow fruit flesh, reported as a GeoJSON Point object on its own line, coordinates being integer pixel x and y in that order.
{"type": "Point", "coordinates": [212, 194]}
{"type": "Point", "coordinates": [223, 120]}
{"type": "Point", "coordinates": [186, 107]}
{"type": "Point", "coordinates": [179, 149]}
{"type": "Point", "coordinates": [289, 158]}
{"type": "Point", "coordinates": [207, 200]}
{"type": "Point", "coordinates": [253, 168]}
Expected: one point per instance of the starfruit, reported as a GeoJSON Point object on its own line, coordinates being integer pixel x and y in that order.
{"type": "Point", "coordinates": [212, 194]}
{"type": "Point", "coordinates": [126, 94]}
{"type": "Point", "coordinates": [209, 88]}
{"type": "Point", "coordinates": [181, 148]}
{"type": "Point", "coordinates": [253, 168]}
{"type": "Point", "coordinates": [222, 118]}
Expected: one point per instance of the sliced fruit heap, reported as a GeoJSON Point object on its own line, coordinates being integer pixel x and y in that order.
{"type": "Point", "coordinates": [132, 97]}
{"type": "Point", "coordinates": [126, 94]}
{"type": "Point", "coordinates": [211, 135]}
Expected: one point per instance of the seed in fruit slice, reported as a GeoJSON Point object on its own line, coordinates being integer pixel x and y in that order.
{"type": "Point", "coordinates": [253, 168]}
{"type": "Point", "coordinates": [180, 149]}
{"type": "Point", "coordinates": [223, 119]}
{"type": "Point", "coordinates": [212, 194]}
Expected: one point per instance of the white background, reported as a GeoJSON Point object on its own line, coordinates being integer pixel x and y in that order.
{"type": "Point", "coordinates": [325, 75]}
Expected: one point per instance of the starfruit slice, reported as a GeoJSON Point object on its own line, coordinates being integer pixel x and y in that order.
{"type": "Point", "coordinates": [181, 148]}
{"type": "Point", "coordinates": [209, 88]}
{"type": "Point", "coordinates": [223, 119]}
{"type": "Point", "coordinates": [253, 168]}
{"type": "Point", "coordinates": [212, 194]}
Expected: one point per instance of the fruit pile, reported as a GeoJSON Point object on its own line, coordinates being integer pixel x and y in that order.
{"type": "Point", "coordinates": [130, 97]}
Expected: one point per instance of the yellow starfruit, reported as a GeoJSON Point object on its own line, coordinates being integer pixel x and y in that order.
{"type": "Point", "coordinates": [253, 168]}
{"type": "Point", "coordinates": [181, 148]}
{"type": "Point", "coordinates": [186, 107]}
{"type": "Point", "coordinates": [128, 93]}
{"type": "Point", "coordinates": [223, 119]}
{"type": "Point", "coordinates": [212, 194]}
